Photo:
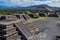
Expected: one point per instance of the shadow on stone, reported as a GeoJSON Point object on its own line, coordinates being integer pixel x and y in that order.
{"type": "Point", "coordinates": [53, 15]}
{"type": "Point", "coordinates": [41, 14]}
{"type": "Point", "coordinates": [2, 17]}
{"type": "Point", "coordinates": [33, 15]}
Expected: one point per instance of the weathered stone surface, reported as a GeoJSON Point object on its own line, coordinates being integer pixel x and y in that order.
{"type": "Point", "coordinates": [26, 16]}
{"type": "Point", "coordinates": [28, 30]}
{"type": "Point", "coordinates": [10, 36]}
{"type": "Point", "coordinates": [33, 15]}
{"type": "Point", "coordinates": [12, 17]}
{"type": "Point", "coordinates": [19, 16]}
{"type": "Point", "coordinates": [53, 15]}
{"type": "Point", "coordinates": [23, 29]}
{"type": "Point", "coordinates": [41, 14]}
{"type": "Point", "coordinates": [3, 26]}
{"type": "Point", "coordinates": [7, 31]}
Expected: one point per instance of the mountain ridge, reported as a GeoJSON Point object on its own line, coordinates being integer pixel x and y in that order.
{"type": "Point", "coordinates": [30, 7]}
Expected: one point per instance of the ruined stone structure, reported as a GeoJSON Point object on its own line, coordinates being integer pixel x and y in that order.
{"type": "Point", "coordinates": [53, 15]}
{"type": "Point", "coordinates": [23, 16]}
{"type": "Point", "coordinates": [33, 15]}
{"type": "Point", "coordinates": [12, 26]}
{"type": "Point", "coordinates": [7, 30]}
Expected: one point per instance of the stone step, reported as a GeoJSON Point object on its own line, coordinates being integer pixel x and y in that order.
{"type": "Point", "coordinates": [33, 29]}
{"type": "Point", "coordinates": [5, 26]}
{"type": "Point", "coordinates": [24, 30]}
{"type": "Point", "coordinates": [10, 36]}
{"type": "Point", "coordinates": [26, 16]}
{"type": "Point", "coordinates": [19, 16]}
{"type": "Point", "coordinates": [7, 31]}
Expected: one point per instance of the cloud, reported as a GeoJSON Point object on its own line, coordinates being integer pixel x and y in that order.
{"type": "Point", "coordinates": [19, 2]}
{"type": "Point", "coordinates": [46, 0]}
{"type": "Point", "coordinates": [53, 3]}
{"type": "Point", "coordinates": [31, 2]}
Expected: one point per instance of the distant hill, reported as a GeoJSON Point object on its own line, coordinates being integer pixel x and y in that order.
{"type": "Point", "coordinates": [35, 7]}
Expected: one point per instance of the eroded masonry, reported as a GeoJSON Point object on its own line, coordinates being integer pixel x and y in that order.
{"type": "Point", "coordinates": [14, 26]}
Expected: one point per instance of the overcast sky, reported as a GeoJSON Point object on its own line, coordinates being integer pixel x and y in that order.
{"type": "Point", "coordinates": [24, 3]}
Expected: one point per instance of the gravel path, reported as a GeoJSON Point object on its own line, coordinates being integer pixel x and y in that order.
{"type": "Point", "coordinates": [51, 25]}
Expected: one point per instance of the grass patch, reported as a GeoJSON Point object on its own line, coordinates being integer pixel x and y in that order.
{"type": "Point", "coordinates": [35, 19]}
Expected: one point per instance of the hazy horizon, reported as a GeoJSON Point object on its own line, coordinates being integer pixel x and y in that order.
{"type": "Point", "coordinates": [25, 3]}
